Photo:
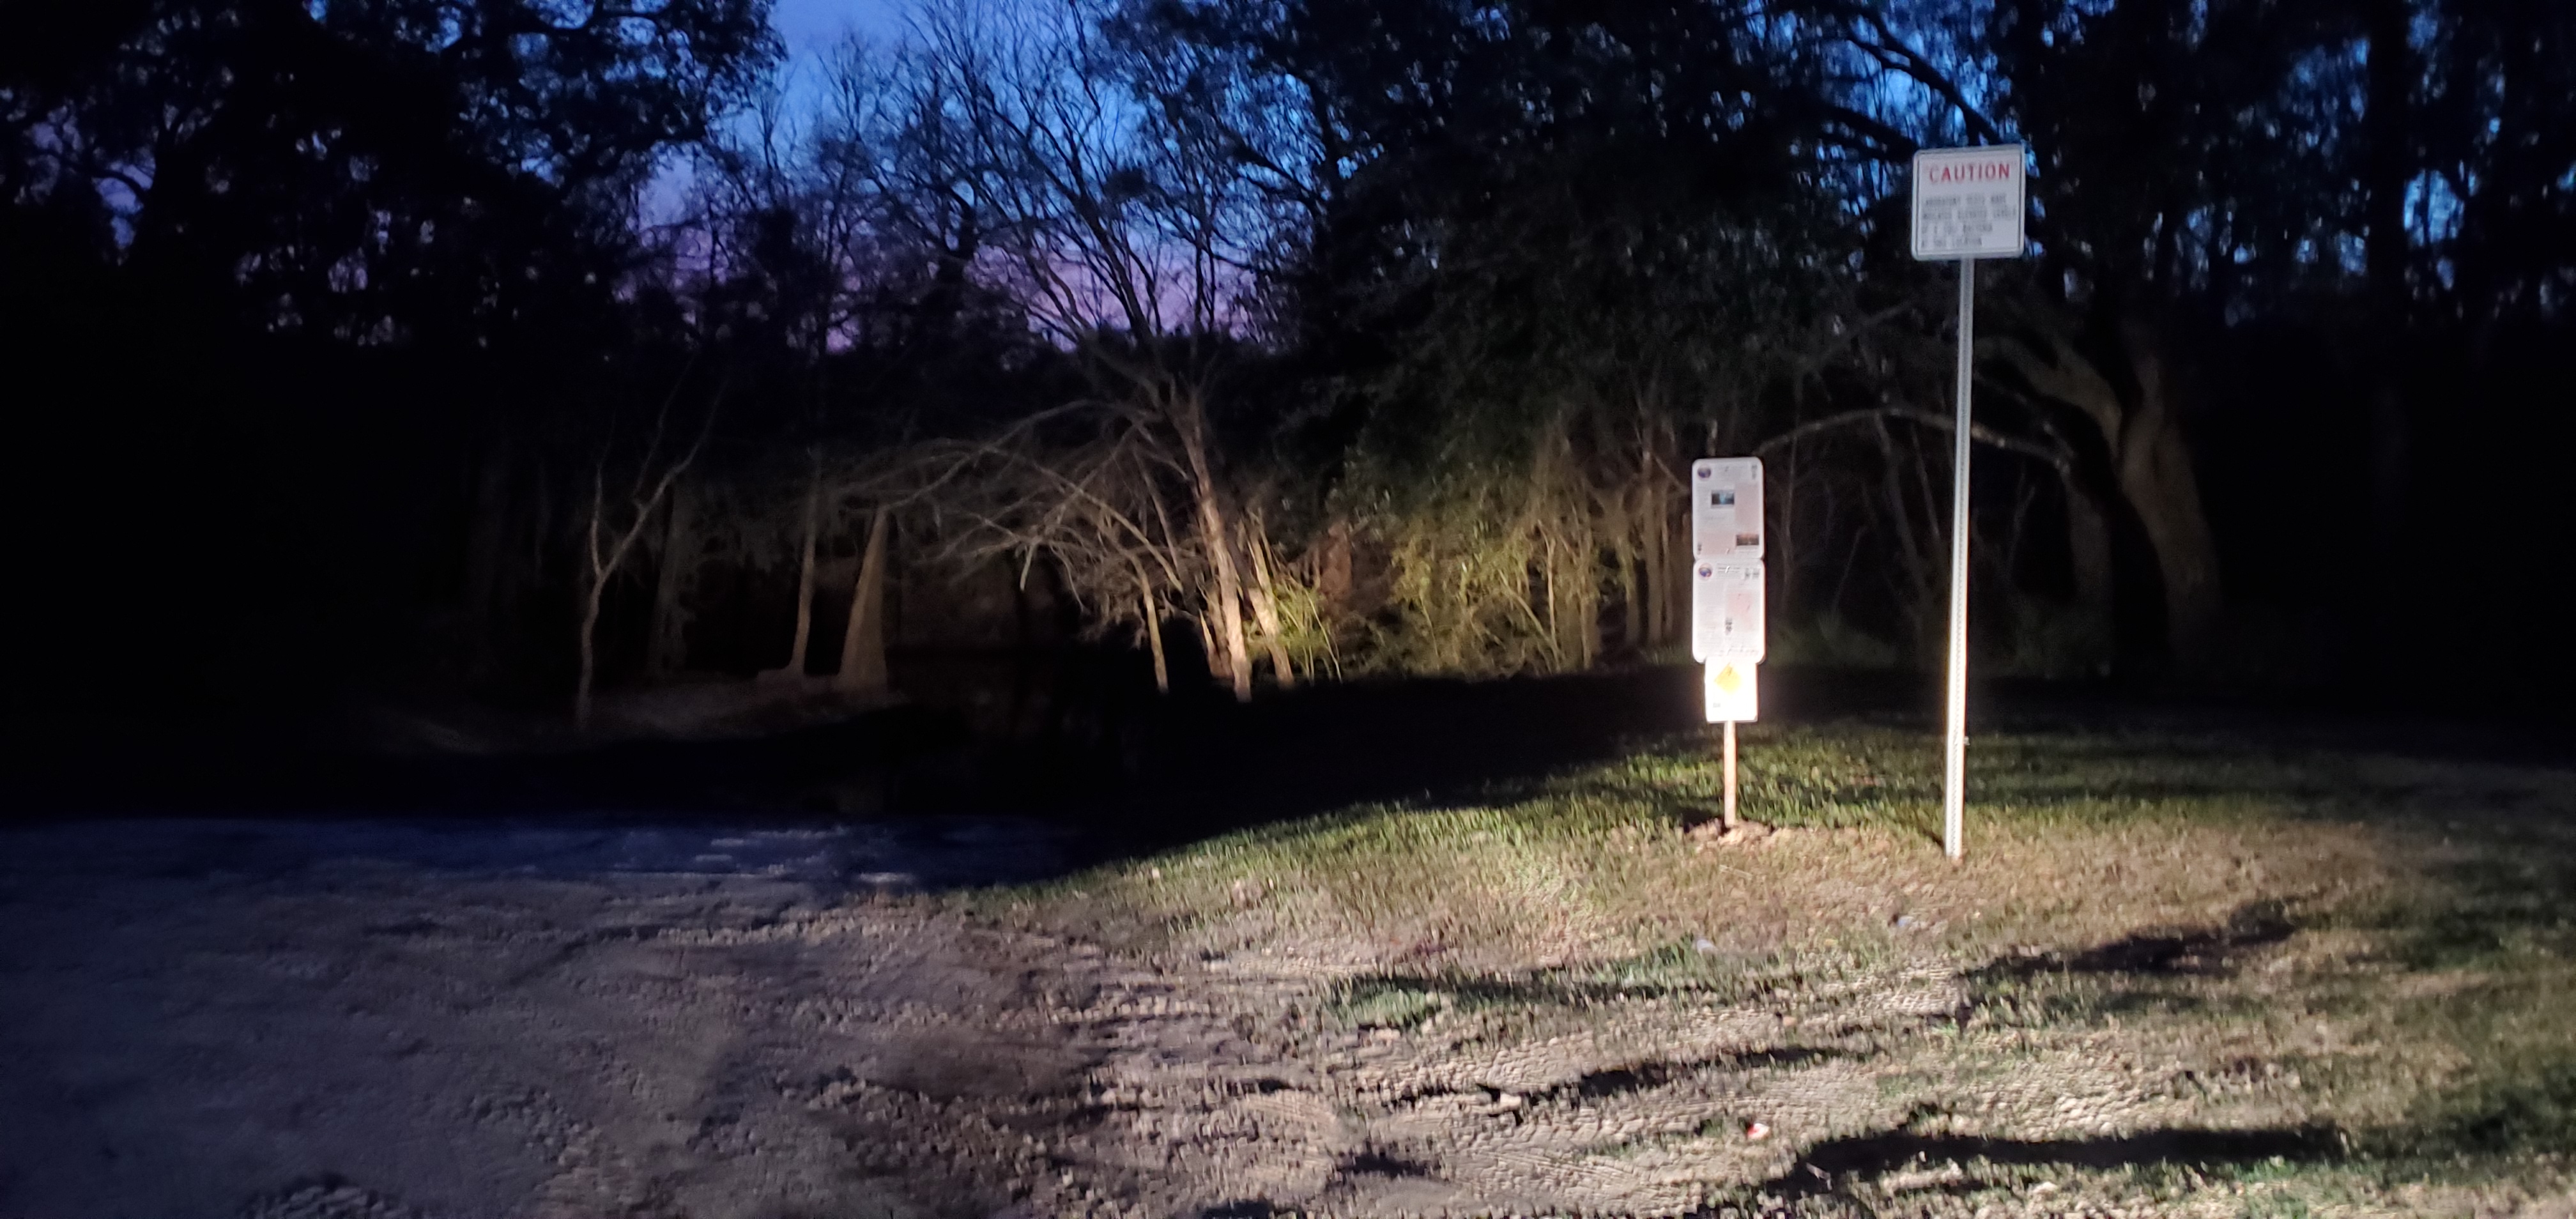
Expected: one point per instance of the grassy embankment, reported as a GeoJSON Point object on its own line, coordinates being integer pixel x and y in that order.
{"type": "Point", "coordinates": [2182, 975]}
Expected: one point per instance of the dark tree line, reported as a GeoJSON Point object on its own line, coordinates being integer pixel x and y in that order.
{"type": "Point", "coordinates": [544, 347]}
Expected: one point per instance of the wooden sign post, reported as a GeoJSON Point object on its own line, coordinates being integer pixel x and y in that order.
{"type": "Point", "coordinates": [1728, 588]}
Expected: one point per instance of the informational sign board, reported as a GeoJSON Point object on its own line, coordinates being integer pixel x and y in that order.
{"type": "Point", "coordinates": [1727, 591]}
{"type": "Point", "coordinates": [1726, 510]}
{"type": "Point", "coordinates": [1726, 611]}
{"type": "Point", "coordinates": [1968, 203]}
{"type": "Point", "coordinates": [1732, 692]}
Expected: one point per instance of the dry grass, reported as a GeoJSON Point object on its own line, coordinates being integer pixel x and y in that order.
{"type": "Point", "coordinates": [2172, 976]}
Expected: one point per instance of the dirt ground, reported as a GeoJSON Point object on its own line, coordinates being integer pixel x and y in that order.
{"type": "Point", "coordinates": [1576, 1003]}
{"type": "Point", "coordinates": [312, 1020]}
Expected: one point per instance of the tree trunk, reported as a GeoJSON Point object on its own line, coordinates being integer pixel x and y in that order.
{"type": "Point", "coordinates": [1936, 515]}
{"type": "Point", "coordinates": [667, 649]}
{"type": "Point", "coordinates": [1227, 604]}
{"type": "Point", "coordinates": [794, 669]}
{"type": "Point", "coordinates": [599, 566]}
{"type": "Point", "coordinates": [1333, 573]}
{"type": "Point", "coordinates": [863, 645]}
{"type": "Point", "coordinates": [482, 609]}
{"type": "Point", "coordinates": [1226, 608]}
{"type": "Point", "coordinates": [2387, 167]}
{"type": "Point", "coordinates": [1583, 597]}
{"type": "Point", "coordinates": [2151, 466]}
{"type": "Point", "coordinates": [591, 597]}
{"type": "Point", "coordinates": [2088, 543]}
{"type": "Point", "coordinates": [1265, 606]}
{"type": "Point", "coordinates": [1153, 620]}
{"type": "Point", "coordinates": [1547, 583]}
{"type": "Point", "coordinates": [1656, 573]}
{"type": "Point", "coordinates": [1784, 536]}
{"type": "Point", "coordinates": [1623, 553]}
{"type": "Point", "coordinates": [2154, 469]}
{"type": "Point", "coordinates": [1902, 521]}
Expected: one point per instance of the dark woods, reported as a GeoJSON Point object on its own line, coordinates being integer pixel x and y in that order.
{"type": "Point", "coordinates": [560, 353]}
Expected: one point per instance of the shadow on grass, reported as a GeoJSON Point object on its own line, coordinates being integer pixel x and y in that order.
{"type": "Point", "coordinates": [1403, 1000]}
{"type": "Point", "coordinates": [2505, 900]}
{"type": "Point", "coordinates": [1375, 1161]}
{"type": "Point", "coordinates": [2154, 972]}
{"type": "Point", "coordinates": [1400, 1000]}
{"type": "Point", "coordinates": [2206, 952]}
{"type": "Point", "coordinates": [1648, 1076]}
{"type": "Point", "coordinates": [1249, 1208]}
{"type": "Point", "coordinates": [2535, 1110]}
{"type": "Point", "coordinates": [1837, 1165]}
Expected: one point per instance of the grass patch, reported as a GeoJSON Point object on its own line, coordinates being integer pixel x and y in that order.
{"type": "Point", "coordinates": [2531, 1110]}
{"type": "Point", "coordinates": [2152, 932]}
{"type": "Point", "coordinates": [1385, 1003]}
{"type": "Point", "coordinates": [1580, 867]}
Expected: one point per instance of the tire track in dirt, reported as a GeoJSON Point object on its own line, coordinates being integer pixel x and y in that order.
{"type": "Point", "coordinates": [378, 1041]}
{"type": "Point", "coordinates": [1216, 1090]}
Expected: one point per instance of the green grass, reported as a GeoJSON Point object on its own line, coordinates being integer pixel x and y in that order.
{"type": "Point", "coordinates": [1387, 1003]}
{"type": "Point", "coordinates": [2417, 993]}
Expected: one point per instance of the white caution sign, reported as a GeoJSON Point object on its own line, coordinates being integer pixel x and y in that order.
{"type": "Point", "coordinates": [1732, 692]}
{"type": "Point", "coordinates": [1726, 611]}
{"type": "Point", "coordinates": [1968, 203]}
{"type": "Point", "coordinates": [1726, 510]}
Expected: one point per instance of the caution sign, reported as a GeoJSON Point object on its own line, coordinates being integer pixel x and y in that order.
{"type": "Point", "coordinates": [1726, 510]}
{"type": "Point", "coordinates": [1726, 611]}
{"type": "Point", "coordinates": [1732, 692]}
{"type": "Point", "coordinates": [1968, 202]}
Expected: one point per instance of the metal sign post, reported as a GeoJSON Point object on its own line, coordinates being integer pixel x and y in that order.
{"type": "Point", "coordinates": [1968, 204]}
{"type": "Point", "coordinates": [1727, 594]}
{"type": "Point", "coordinates": [1954, 734]}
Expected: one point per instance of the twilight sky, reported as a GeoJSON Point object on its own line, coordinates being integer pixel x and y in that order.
{"type": "Point", "coordinates": [812, 26]}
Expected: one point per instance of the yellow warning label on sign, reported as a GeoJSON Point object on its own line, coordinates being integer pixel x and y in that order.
{"type": "Point", "coordinates": [1732, 691]}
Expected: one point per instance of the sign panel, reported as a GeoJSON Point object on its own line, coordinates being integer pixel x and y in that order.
{"type": "Point", "coordinates": [1726, 611]}
{"type": "Point", "coordinates": [1732, 692]}
{"type": "Point", "coordinates": [1726, 510]}
{"type": "Point", "coordinates": [1727, 586]}
{"type": "Point", "coordinates": [1968, 202]}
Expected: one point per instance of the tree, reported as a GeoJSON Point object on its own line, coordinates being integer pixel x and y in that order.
{"type": "Point", "coordinates": [352, 247]}
{"type": "Point", "coordinates": [389, 170]}
{"type": "Point", "coordinates": [2161, 137]}
{"type": "Point", "coordinates": [1121, 226]}
{"type": "Point", "coordinates": [607, 543]}
{"type": "Point", "coordinates": [1543, 249]}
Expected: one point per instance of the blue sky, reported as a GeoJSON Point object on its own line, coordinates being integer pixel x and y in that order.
{"type": "Point", "coordinates": [812, 26]}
